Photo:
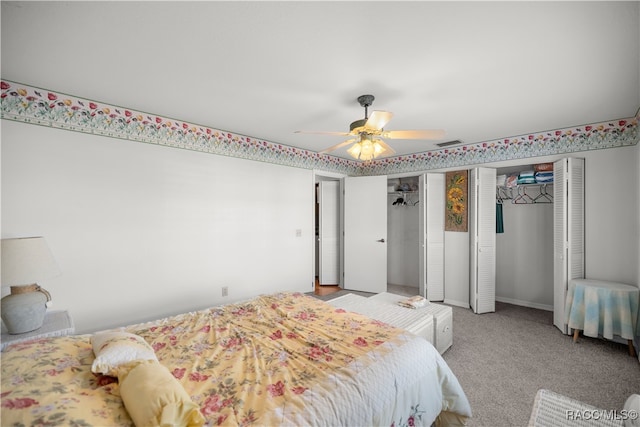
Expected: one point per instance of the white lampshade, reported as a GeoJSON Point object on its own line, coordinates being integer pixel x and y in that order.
{"type": "Point", "coordinates": [26, 261]}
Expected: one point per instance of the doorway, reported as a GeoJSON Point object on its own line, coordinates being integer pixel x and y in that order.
{"type": "Point", "coordinates": [328, 226]}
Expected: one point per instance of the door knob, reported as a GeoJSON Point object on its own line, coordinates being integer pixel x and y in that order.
{"type": "Point", "coordinates": [381, 240]}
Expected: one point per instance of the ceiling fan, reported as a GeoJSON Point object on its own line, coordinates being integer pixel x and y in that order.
{"type": "Point", "coordinates": [368, 133]}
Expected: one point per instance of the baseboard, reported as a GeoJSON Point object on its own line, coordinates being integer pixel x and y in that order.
{"type": "Point", "coordinates": [525, 303]}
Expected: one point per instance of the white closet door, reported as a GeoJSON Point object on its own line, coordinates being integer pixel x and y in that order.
{"type": "Point", "coordinates": [482, 238]}
{"type": "Point", "coordinates": [365, 233]}
{"type": "Point", "coordinates": [473, 244]}
{"type": "Point", "coordinates": [559, 243]}
{"type": "Point", "coordinates": [568, 232]}
{"type": "Point", "coordinates": [432, 189]}
{"type": "Point", "coordinates": [575, 216]}
{"type": "Point", "coordinates": [329, 233]}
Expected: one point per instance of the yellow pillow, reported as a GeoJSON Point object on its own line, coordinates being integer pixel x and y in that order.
{"type": "Point", "coordinates": [116, 348]}
{"type": "Point", "coordinates": [153, 397]}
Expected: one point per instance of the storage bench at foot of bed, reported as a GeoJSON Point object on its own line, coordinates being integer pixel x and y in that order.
{"type": "Point", "coordinates": [418, 323]}
{"type": "Point", "coordinates": [442, 318]}
{"type": "Point", "coordinates": [433, 322]}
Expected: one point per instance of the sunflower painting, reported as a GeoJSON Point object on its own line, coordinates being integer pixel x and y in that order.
{"type": "Point", "coordinates": [456, 203]}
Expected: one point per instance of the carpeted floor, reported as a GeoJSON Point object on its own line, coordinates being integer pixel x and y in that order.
{"type": "Point", "coordinates": [501, 360]}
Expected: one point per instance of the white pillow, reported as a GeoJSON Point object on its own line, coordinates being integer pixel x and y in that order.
{"type": "Point", "coordinates": [117, 348]}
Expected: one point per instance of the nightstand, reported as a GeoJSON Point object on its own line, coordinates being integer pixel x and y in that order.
{"type": "Point", "coordinates": [56, 323]}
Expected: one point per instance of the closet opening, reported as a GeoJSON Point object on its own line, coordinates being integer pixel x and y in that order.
{"type": "Point", "coordinates": [403, 248]}
{"type": "Point", "coordinates": [524, 236]}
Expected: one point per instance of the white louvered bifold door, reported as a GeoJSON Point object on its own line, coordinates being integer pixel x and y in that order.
{"type": "Point", "coordinates": [482, 236]}
{"type": "Point", "coordinates": [422, 233]}
{"type": "Point", "coordinates": [575, 204]}
{"type": "Point", "coordinates": [473, 240]}
{"type": "Point", "coordinates": [559, 243]}
{"type": "Point", "coordinates": [568, 232]}
{"type": "Point", "coordinates": [434, 188]}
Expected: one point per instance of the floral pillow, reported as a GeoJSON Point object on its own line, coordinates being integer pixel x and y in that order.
{"type": "Point", "coordinates": [118, 348]}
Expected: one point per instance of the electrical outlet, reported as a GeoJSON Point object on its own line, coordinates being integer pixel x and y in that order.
{"type": "Point", "coordinates": [225, 291]}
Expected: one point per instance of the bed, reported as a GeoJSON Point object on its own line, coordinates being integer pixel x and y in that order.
{"type": "Point", "coordinates": [280, 359]}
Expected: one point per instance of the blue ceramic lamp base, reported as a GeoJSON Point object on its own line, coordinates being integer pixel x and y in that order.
{"type": "Point", "coordinates": [24, 309]}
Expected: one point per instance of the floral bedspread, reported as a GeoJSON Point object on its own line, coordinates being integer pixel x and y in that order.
{"type": "Point", "coordinates": [278, 359]}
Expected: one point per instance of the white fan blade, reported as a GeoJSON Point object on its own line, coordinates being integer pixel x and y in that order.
{"type": "Point", "coordinates": [388, 150]}
{"type": "Point", "coordinates": [414, 134]}
{"type": "Point", "coordinates": [378, 119]}
{"type": "Point", "coordinates": [324, 133]}
{"type": "Point", "coordinates": [335, 147]}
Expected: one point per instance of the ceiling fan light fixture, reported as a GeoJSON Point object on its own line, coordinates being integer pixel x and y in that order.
{"type": "Point", "coordinates": [354, 151]}
{"type": "Point", "coordinates": [378, 149]}
{"type": "Point", "coordinates": [366, 149]}
{"type": "Point", "coordinates": [370, 132]}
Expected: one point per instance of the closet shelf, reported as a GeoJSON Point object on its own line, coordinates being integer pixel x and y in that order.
{"type": "Point", "coordinates": [401, 193]}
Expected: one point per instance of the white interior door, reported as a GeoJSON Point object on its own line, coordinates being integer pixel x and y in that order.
{"type": "Point", "coordinates": [329, 232]}
{"type": "Point", "coordinates": [473, 240]}
{"type": "Point", "coordinates": [559, 243]}
{"type": "Point", "coordinates": [568, 232]}
{"type": "Point", "coordinates": [575, 216]}
{"type": "Point", "coordinates": [365, 233]}
{"type": "Point", "coordinates": [422, 232]}
{"type": "Point", "coordinates": [482, 238]}
{"type": "Point", "coordinates": [432, 198]}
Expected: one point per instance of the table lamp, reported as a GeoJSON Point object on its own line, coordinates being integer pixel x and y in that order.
{"type": "Point", "coordinates": [25, 261]}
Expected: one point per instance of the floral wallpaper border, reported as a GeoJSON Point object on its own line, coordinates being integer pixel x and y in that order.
{"type": "Point", "coordinates": [44, 107]}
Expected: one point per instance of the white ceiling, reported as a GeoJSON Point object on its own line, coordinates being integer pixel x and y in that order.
{"type": "Point", "coordinates": [478, 70]}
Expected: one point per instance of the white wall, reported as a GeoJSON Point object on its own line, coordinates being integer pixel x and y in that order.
{"type": "Point", "coordinates": [403, 242]}
{"type": "Point", "coordinates": [141, 231]}
{"type": "Point", "coordinates": [611, 214]}
{"type": "Point", "coordinates": [524, 255]}
{"type": "Point", "coordinates": [456, 268]}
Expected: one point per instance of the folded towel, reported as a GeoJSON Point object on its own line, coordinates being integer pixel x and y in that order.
{"type": "Point", "coordinates": [501, 180]}
{"type": "Point", "coordinates": [544, 177]}
{"type": "Point", "coordinates": [543, 167]}
{"type": "Point", "coordinates": [526, 180]}
{"type": "Point", "coordinates": [512, 181]}
{"type": "Point", "coordinates": [544, 180]}
{"type": "Point", "coordinates": [414, 302]}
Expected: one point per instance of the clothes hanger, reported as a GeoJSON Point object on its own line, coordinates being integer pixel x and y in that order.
{"type": "Point", "coordinates": [543, 196]}
{"type": "Point", "coordinates": [522, 197]}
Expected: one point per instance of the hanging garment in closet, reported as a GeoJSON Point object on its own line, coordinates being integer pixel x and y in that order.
{"type": "Point", "coordinates": [499, 220]}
